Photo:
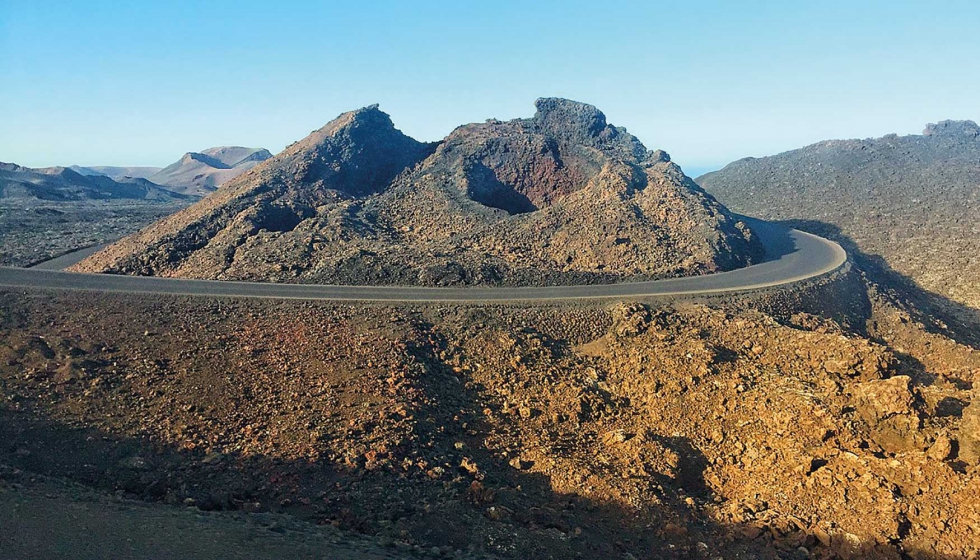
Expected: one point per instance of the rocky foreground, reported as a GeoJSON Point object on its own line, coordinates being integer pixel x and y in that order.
{"type": "Point", "coordinates": [562, 197]}
{"type": "Point", "coordinates": [629, 431]}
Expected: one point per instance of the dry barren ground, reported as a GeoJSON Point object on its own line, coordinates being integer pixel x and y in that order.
{"type": "Point", "coordinates": [630, 431]}
{"type": "Point", "coordinates": [37, 230]}
{"type": "Point", "coordinates": [54, 519]}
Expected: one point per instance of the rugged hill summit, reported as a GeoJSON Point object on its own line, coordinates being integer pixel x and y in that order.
{"type": "Point", "coordinates": [64, 184]}
{"type": "Point", "coordinates": [914, 200]}
{"type": "Point", "coordinates": [560, 197]}
{"type": "Point", "coordinates": [200, 173]}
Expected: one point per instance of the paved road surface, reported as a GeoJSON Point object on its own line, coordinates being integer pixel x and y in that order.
{"type": "Point", "coordinates": [793, 256]}
{"type": "Point", "coordinates": [64, 261]}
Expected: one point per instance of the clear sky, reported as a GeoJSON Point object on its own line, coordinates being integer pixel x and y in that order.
{"type": "Point", "coordinates": [141, 82]}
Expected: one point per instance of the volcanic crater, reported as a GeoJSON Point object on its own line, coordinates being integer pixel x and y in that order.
{"type": "Point", "coordinates": [562, 197]}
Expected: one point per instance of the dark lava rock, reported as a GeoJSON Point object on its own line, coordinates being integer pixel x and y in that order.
{"type": "Point", "coordinates": [562, 197]}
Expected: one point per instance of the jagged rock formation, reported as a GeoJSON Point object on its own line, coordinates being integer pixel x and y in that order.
{"type": "Point", "coordinates": [200, 173]}
{"type": "Point", "coordinates": [561, 197]}
{"type": "Point", "coordinates": [913, 200]}
{"type": "Point", "coordinates": [64, 184]}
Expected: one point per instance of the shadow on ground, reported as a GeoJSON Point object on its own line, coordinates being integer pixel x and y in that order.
{"type": "Point", "coordinates": [524, 519]}
{"type": "Point", "coordinates": [426, 506]}
{"type": "Point", "coordinates": [500, 512]}
{"type": "Point", "coordinates": [935, 312]}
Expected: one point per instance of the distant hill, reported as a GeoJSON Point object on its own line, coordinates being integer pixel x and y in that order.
{"type": "Point", "coordinates": [199, 173]}
{"type": "Point", "coordinates": [562, 197]}
{"type": "Point", "coordinates": [913, 200]}
{"type": "Point", "coordinates": [64, 184]}
{"type": "Point", "coordinates": [196, 173]}
{"type": "Point", "coordinates": [116, 173]}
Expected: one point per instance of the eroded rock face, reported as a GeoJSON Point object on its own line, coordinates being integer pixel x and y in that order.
{"type": "Point", "coordinates": [524, 165]}
{"type": "Point", "coordinates": [562, 197]}
{"type": "Point", "coordinates": [886, 398]}
{"type": "Point", "coordinates": [358, 154]}
{"type": "Point", "coordinates": [964, 129]}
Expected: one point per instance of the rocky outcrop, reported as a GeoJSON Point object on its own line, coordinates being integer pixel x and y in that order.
{"type": "Point", "coordinates": [963, 130]}
{"type": "Point", "coordinates": [562, 197]}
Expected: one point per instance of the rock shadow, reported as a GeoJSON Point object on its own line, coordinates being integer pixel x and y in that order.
{"type": "Point", "coordinates": [446, 493]}
{"type": "Point", "coordinates": [936, 313]}
{"type": "Point", "coordinates": [500, 512]}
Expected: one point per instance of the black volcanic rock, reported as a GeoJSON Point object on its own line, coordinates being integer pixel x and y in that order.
{"type": "Point", "coordinates": [914, 200]}
{"type": "Point", "coordinates": [561, 197]}
{"type": "Point", "coordinates": [574, 123]}
{"type": "Point", "coordinates": [358, 154]}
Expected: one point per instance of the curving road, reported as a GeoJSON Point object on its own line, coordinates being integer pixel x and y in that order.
{"type": "Point", "coordinates": [793, 256]}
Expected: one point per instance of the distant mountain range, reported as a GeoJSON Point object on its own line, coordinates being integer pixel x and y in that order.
{"type": "Point", "coordinates": [64, 184]}
{"type": "Point", "coordinates": [115, 173]}
{"type": "Point", "coordinates": [912, 200]}
{"type": "Point", "coordinates": [196, 173]}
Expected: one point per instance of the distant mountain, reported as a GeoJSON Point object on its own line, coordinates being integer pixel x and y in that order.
{"type": "Point", "coordinates": [562, 197]}
{"type": "Point", "coordinates": [116, 173]}
{"type": "Point", "coordinates": [199, 173]}
{"type": "Point", "coordinates": [64, 184]}
{"type": "Point", "coordinates": [913, 200]}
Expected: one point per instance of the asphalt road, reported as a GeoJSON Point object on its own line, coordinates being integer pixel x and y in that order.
{"type": "Point", "coordinates": [64, 261]}
{"type": "Point", "coordinates": [792, 256]}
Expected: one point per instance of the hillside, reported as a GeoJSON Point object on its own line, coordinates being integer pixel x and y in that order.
{"type": "Point", "coordinates": [561, 197]}
{"type": "Point", "coordinates": [912, 200]}
{"type": "Point", "coordinates": [64, 184]}
{"type": "Point", "coordinates": [200, 173]}
{"type": "Point", "coordinates": [114, 172]}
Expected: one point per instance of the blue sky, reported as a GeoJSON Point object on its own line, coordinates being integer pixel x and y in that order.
{"type": "Point", "coordinates": [140, 83]}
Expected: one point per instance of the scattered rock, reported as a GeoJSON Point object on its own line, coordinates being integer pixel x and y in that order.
{"type": "Point", "coordinates": [885, 398]}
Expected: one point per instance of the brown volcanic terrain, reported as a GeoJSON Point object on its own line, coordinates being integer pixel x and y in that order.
{"type": "Point", "coordinates": [562, 197]}
{"type": "Point", "coordinates": [835, 419]}
{"type": "Point", "coordinates": [912, 200]}
{"type": "Point", "coordinates": [633, 431]}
